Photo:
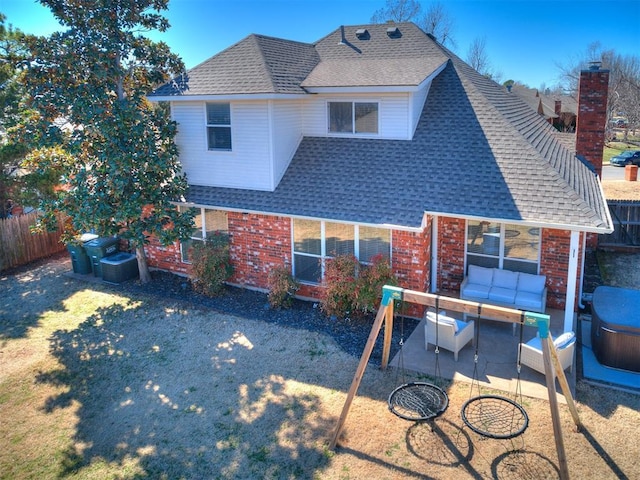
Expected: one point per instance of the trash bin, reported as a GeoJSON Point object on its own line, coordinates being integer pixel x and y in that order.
{"type": "Point", "coordinates": [80, 261]}
{"type": "Point", "coordinates": [100, 248]}
{"type": "Point", "coordinates": [119, 268]}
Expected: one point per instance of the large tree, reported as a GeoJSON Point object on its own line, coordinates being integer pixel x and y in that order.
{"type": "Point", "coordinates": [114, 150]}
{"type": "Point", "coordinates": [435, 20]}
{"type": "Point", "coordinates": [13, 52]}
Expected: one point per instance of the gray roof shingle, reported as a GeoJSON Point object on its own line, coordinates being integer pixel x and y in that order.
{"type": "Point", "coordinates": [255, 65]}
{"type": "Point", "coordinates": [477, 151]}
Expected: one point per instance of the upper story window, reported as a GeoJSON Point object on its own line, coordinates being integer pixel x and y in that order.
{"type": "Point", "coordinates": [505, 246]}
{"type": "Point", "coordinates": [207, 223]}
{"type": "Point", "coordinates": [219, 126]}
{"type": "Point", "coordinates": [315, 241]}
{"type": "Point", "coordinates": [353, 117]}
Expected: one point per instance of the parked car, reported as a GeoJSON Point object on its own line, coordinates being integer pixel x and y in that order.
{"type": "Point", "coordinates": [630, 157]}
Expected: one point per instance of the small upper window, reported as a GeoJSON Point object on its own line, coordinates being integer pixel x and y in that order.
{"type": "Point", "coordinates": [353, 117]}
{"type": "Point", "coordinates": [219, 126]}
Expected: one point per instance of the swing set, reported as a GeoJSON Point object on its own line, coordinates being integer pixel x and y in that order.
{"type": "Point", "coordinates": [418, 401]}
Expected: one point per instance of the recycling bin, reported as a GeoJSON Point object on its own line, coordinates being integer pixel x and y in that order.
{"type": "Point", "coordinates": [119, 268]}
{"type": "Point", "coordinates": [80, 260]}
{"type": "Point", "coordinates": [100, 248]}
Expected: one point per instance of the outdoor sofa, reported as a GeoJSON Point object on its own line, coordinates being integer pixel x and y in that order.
{"type": "Point", "coordinates": [522, 291]}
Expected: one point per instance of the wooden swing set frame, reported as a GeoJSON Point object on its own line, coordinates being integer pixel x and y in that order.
{"type": "Point", "coordinates": [552, 365]}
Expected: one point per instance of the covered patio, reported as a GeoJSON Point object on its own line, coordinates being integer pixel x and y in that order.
{"type": "Point", "coordinates": [497, 358]}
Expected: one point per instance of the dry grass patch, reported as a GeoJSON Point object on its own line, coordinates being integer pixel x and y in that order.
{"type": "Point", "coordinates": [112, 386]}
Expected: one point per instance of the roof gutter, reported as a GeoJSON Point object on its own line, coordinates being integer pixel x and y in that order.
{"type": "Point", "coordinates": [557, 226]}
{"type": "Point", "coordinates": [301, 217]}
{"type": "Point", "coordinates": [226, 97]}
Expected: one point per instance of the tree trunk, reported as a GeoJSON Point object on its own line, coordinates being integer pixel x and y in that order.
{"type": "Point", "coordinates": [143, 268]}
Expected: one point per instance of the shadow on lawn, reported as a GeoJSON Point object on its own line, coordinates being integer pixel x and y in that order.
{"type": "Point", "coordinates": [28, 292]}
{"type": "Point", "coordinates": [179, 395]}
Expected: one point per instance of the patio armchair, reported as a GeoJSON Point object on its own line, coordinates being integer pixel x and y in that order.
{"type": "Point", "coordinates": [532, 352]}
{"type": "Point", "coordinates": [452, 334]}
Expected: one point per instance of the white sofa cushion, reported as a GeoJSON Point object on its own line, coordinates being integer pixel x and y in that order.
{"type": "Point", "coordinates": [564, 340]}
{"type": "Point", "coordinates": [503, 295]}
{"type": "Point", "coordinates": [531, 283]}
{"type": "Point", "coordinates": [528, 300]}
{"type": "Point", "coordinates": [480, 275]}
{"type": "Point", "coordinates": [505, 279]}
{"type": "Point", "coordinates": [443, 319]}
{"type": "Point", "coordinates": [476, 290]}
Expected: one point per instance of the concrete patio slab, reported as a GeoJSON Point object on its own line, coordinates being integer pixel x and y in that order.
{"type": "Point", "coordinates": [497, 359]}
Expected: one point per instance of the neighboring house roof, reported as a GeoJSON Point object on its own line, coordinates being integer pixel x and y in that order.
{"type": "Point", "coordinates": [478, 151]}
{"type": "Point", "coordinates": [536, 101]}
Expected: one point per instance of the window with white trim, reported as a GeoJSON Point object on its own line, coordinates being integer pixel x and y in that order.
{"type": "Point", "coordinates": [353, 117]}
{"type": "Point", "coordinates": [208, 222]}
{"type": "Point", "coordinates": [314, 241]}
{"type": "Point", "coordinates": [505, 246]}
{"type": "Point", "coordinates": [219, 126]}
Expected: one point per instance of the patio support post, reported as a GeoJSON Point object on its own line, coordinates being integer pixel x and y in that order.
{"type": "Point", "coordinates": [572, 281]}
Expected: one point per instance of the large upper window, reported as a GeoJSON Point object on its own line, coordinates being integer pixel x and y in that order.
{"type": "Point", "coordinates": [219, 126]}
{"type": "Point", "coordinates": [499, 245]}
{"type": "Point", "coordinates": [353, 117]}
{"type": "Point", "coordinates": [207, 223]}
{"type": "Point", "coordinates": [314, 241]}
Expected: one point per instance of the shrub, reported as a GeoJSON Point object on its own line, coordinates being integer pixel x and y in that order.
{"type": "Point", "coordinates": [372, 278]}
{"type": "Point", "coordinates": [282, 287]}
{"type": "Point", "coordinates": [211, 264]}
{"type": "Point", "coordinates": [352, 288]}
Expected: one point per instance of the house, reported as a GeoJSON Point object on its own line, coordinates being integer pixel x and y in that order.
{"type": "Point", "coordinates": [559, 110]}
{"type": "Point", "coordinates": [378, 140]}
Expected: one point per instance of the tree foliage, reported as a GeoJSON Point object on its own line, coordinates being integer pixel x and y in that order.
{"type": "Point", "coordinates": [13, 52]}
{"type": "Point", "coordinates": [113, 150]}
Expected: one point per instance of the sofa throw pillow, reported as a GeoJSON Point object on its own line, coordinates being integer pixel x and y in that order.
{"type": "Point", "coordinates": [564, 340]}
{"type": "Point", "coordinates": [443, 319]}
{"type": "Point", "coordinates": [480, 275]}
{"type": "Point", "coordinates": [505, 279]}
{"type": "Point", "coordinates": [531, 283]}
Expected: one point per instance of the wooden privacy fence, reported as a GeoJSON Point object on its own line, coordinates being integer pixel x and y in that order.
{"type": "Point", "coordinates": [626, 219]}
{"type": "Point", "coordinates": [19, 246]}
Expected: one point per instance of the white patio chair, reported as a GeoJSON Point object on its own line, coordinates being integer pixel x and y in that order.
{"type": "Point", "coordinates": [532, 352]}
{"type": "Point", "coordinates": [452, 334]}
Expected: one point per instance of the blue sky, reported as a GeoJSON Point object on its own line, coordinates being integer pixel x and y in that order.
{"type": "Point", "coordinates": [525, 40]}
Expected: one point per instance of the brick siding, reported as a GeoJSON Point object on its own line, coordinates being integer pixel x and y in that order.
{"type": "Point", "coordinates": [592, 116]}
{"type": "Point", "coordinates": [261, 242]}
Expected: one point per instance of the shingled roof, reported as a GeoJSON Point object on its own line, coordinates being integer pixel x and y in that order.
{"type": "Point", "coordinates": [477, 152]}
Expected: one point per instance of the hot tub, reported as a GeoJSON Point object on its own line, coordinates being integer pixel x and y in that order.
{"type": "Point", "coordinates": [615, 327]}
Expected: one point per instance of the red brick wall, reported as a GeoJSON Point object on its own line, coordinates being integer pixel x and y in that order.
{"type": "Point", "coordinates": [450, 253]}
{"type": "Point", "coordinates": [555, 245]}
{"type": "Point", "coordinates": [411, 252]}
{"type": "Point", "coordinates": [592, 116]}
{"type": "Point", "coordinates": [258, 243]}
{"type": "Point", "coordinates": [166, 258]}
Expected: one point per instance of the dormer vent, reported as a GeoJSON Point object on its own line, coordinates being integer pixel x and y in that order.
{"type": "Point", "coordinates": [362, 34]}
{"type": "Point", "coordinates": [393, 32]}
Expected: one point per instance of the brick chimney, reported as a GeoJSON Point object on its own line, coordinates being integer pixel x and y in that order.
{"type": "Point", "coordinates": [592, 114]}
{"type": "Point", "coordinates": [557, 107]}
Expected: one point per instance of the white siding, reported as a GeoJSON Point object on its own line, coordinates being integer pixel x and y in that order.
{"type": "Point", "coordinates": [248, 165]}
{"type": "Point", "coordinates": [417, 104]}
{"type": "Point", "coordinates": [286, 134]}
{"type": "Point", "coordinates": [394, 119]}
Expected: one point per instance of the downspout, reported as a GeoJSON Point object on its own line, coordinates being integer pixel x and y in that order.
{"type": "Point", "coordinates": [434, 254]}
{"type": "Point", "coordinates": [584, 256]}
